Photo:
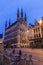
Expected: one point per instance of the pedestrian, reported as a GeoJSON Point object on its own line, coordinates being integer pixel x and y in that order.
{"type": "Point", "coordinates": [13, 51]}
{"type": "Point", "coordinates": [20, 54]}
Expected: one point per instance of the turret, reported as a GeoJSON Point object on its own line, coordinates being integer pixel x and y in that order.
{"type": "Point", "coordinates": [9, 22]}
{"type": "Point", "coordinates": [18, 14]}
{"type": "Point", "coordinates": [25, 17]}
{"type": "Point", "coordinates": [6, 25]}
{"type": "Point", "coordinates": [21, 13]}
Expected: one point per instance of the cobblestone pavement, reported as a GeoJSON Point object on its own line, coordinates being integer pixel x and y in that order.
{"type": "Point", "coordinates": [35, 59]}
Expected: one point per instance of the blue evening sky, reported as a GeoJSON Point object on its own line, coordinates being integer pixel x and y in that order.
{"type": "Point", "coordinates": [8, 9]}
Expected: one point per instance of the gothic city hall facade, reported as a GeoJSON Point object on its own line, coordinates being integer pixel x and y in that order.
{"type": "Point", "coordinates": [15, 34]}
{"type": "Point", "coordinates": [19, 34]}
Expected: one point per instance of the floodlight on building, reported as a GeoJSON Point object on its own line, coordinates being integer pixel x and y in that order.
{"type": "Point", "coordinates": [40, 22]}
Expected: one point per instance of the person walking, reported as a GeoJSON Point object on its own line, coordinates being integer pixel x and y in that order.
{"type": "Point", "coordinates": [20, 54]}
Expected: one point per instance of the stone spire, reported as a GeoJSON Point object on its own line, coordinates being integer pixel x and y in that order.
{"type": "Point", "coordinates": [25, 17]}
{"type": "Point", "coordinates": [6, 25]}
{"type": "Point", "coordinates": [21, 13]}
{"type": "Point", "coordinates": [18, 13]}
{"type": "Point", "coordinates": [9, 22]}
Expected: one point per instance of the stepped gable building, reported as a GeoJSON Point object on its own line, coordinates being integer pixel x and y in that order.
{"type": "Point", "coordinates": [15, 34]}
{"type": "Point", "coordinates": [36, 34]}
{"type": "Point", "coordinates": [1, 38]}
{"type": "Point", "coordinates": [1, 42]}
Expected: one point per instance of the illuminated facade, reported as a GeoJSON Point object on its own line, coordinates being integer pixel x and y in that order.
{"type": "Point", "coordinates": [36, 34]}
{"type": "Point", "coordinates": [19, 35]}
{"type": "Point", "coordinates": [15, 34]}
